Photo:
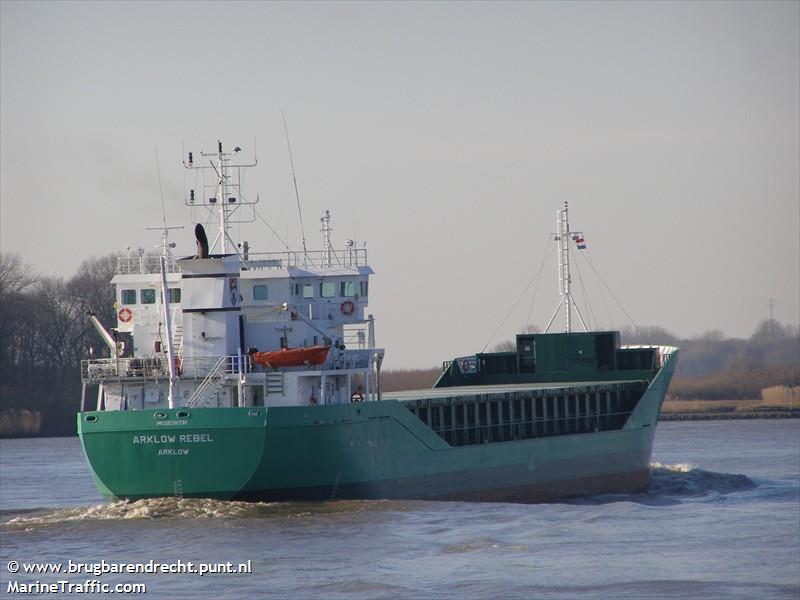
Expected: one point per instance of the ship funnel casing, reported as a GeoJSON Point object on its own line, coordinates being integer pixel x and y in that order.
{"type": "Point", "coordinates": [211, 305]}
{"type": "Point", "coordinates": [202, 241]}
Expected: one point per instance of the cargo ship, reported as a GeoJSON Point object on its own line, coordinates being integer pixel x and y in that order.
{"type": "Point", "coordinates": [246, 376]}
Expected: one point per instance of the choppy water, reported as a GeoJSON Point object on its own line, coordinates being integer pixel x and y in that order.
{"type": "Point", "coordinates": [721, 519]}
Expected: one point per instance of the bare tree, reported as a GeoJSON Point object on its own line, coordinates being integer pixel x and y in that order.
{"type": "Point", "coordinates": [15, 276]}
{"type": "Point", "coordinates": [511, 345]}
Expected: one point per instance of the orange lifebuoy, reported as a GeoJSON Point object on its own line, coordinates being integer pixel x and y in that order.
{"type": "Point", "coordinates": [347, 307]}
{"type": "Point", "coordinates": [125, 315]}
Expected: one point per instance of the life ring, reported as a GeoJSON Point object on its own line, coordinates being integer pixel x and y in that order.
{"type": "Point", "coordinates": [347, 307]}
{"type": "Point", "coordinates": [125, 315]}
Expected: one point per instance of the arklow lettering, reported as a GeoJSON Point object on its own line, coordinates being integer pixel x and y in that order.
{"type": "Point", "coordinates": [185, 438]}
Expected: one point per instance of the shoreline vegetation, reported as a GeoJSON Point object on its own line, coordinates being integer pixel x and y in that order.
{"type": "Point", "coordinates": [44, 335]}
{"type": "Point", "coordinates": [777, 402]}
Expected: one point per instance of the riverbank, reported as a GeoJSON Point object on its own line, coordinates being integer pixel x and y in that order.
{"type": "Point", "coordinates": [724, 416]}
{"type": "Point", "coordinates": [20, 422]}
{"type": "Point", "coordinates": [779, 402]}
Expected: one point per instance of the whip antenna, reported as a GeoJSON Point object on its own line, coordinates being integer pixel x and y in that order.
{"type": "Point", "coordinates": [166, 245]}
{"type": "Point", "coordinates": [161, 191]}
{"type": "Point", "coordinates": [294, 179]}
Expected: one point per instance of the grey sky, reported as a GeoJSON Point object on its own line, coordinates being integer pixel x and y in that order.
{"type": "Point", "coordinates": [446, 135]}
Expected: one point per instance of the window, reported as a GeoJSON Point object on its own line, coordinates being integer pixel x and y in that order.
{"type": "Point", "coordinates": [174, 295]}
{"type": "Point", "coordinates": [347, 289]}
{"type": "Point", "coordinates": [364, 288]}
{"type": "Point", "coordinates": [294, 289]}
{"type": "Point", "coordinates": [327, 289]}
{"type": "Point", "coordinates": [128, 296]}
{"type": "Point", "coordinates": [260, 292]}
{"type": "Point", "coordinates": [308, 290]}
{"type": "Point", "coordinates": [147, 296]}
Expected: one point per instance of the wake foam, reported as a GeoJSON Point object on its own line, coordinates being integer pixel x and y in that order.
{"type": "Point", "coordinates": [668, 484]}
{"type": "Point", "coordinates": [153, 508]}
{"type": "Point", "coordinates": [186, 508]}
{"type": "Point", "coordinates": [682, 479]}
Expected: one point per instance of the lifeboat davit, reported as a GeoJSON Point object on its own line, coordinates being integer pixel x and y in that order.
{"type": "Point", "coordinates": [291, 357]}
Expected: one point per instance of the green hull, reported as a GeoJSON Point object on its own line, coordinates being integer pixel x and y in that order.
{"type": "Point", "coordinates": [368, 450]}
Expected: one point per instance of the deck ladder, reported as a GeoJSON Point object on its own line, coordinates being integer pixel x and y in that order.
{"type": "Point", "coordinates": [275, 383]}
{"type": "Point", "coordinates": [177, 340]}
{"type": "Point", "coordinates": [210, 385]}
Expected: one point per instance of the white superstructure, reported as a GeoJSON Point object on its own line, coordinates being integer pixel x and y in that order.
{"type": "Point", "coordinates": [210, 312]}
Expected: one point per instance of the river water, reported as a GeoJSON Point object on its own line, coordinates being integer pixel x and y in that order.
{"type": "Point", "coordinates": [721, 519]}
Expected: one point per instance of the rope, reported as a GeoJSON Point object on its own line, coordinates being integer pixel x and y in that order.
{"type": "Point", "coordinates": [548, 251]}
{"type": "Point", "coordinates": [275, 233]}
{"type": "Point", "coordinates": [522, 295]}
{"type": "Point", "coordinates": [610, 291]}
{"type": "Point", "coordinates": [605, 304]}
{"type": "Point", "coordinates": [586, 299]}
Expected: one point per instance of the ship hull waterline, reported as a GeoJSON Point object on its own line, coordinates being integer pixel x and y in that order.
{"type": "Point", "coordinates": [369, 450]}
{"type": "Point", "coordinates": [372, 450]}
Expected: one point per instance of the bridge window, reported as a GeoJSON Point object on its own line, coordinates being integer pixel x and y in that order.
{"type": "Point", "coordinates": [308, 290]}
{"type": "Point", "coordinates": [174, 295]}
{"type": "Point", "coordinates": [127, 296]}
{"type": "Point", "coordinates": [327, 289]}
{"type": "Point", "coordinates": [347, 289]}
{"type": "Point", "coordinates": [147, 296]}
{"type": "Point", "coordinates": [260, 292]}
{"type": "Point", "coordinates": [364, 288]}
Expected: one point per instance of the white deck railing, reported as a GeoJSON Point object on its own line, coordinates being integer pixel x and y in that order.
{"type": "Point", "coordinates": [109, 369]}
{"type": "Point", "coordinates": [349, 257]}
{"type": "Point", "coordinates": [132, 264]}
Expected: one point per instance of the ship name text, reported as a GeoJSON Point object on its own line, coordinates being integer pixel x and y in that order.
{"type": "Point", "coordinates": [184, 438]}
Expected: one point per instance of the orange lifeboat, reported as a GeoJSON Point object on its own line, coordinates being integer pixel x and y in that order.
{"type": "Point", "coordinates": [291, 357]}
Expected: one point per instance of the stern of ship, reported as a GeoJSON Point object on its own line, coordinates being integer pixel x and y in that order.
{"type": "Point", "coordinates": [182, 452]}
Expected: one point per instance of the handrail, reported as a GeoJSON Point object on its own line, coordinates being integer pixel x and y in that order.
{"type": "Point", "coordinates": [212, 378]}
{"type": "Point", "coordinates": [156, 367]}
{"type": "Point", "coordinates": [349, 257]}
{"type": "Point", "coordinates": [136, 264]}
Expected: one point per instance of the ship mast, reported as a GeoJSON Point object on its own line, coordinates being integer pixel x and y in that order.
{"type": "Point", "coordinates": [563, 237]}
{"type": "Point", "coordinates": [228, 203]}
{"type": "Point", "coordinates": [326, 229]}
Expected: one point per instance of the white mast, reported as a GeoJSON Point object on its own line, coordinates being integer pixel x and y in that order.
{"type": "Point", "coordinates": [563, 237]}
{"type": "Point", "coordinates": [222, 177]}
{"type": "Point", "coordinates": [228, 202]}
{"type": "Point", "coordinates": [326, 235]}
{"type": "Point", "coordinates": [166, 245]}
{"type": "Point", "coordinates": [173, 376]}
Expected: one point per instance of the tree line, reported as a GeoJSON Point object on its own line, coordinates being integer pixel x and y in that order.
{"type": "Point", "coordinates": [45, 333]}
{"type": "Point", "coordinates": [712, 366]}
